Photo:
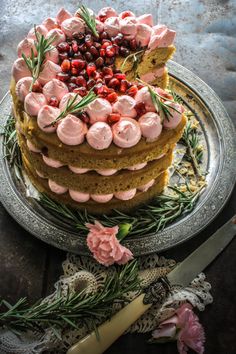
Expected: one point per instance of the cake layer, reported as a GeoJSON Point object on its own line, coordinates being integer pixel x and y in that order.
{"type": "Point", "coordinates": [150, 61]}
{"type": "Point", "coordinates": [85, 156]}
{"type": "Point", "coordinates": [91, 206]}
{"type": "Point", "coordinates": [93, 183]}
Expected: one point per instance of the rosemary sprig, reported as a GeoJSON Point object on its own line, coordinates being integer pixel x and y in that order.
{"type": "Point", "coordinates": [191, 140]}
{"type": "Point", "coordinates": [159, 103]}
{"type": "Point", "coordinates": [149, 218]}
{"type": "Point", "coordinates": [88, 19]}
{"type": "Point", "coordinates": [66, 312]}
{"type": "Point", "coordinates": [135, 57]}
{"type": "Point", "coordinates": [34, 63]}
{"type": "Point", "coordinates": [73, 107]}
{"type": "Point", "coordinates": [12, 148]}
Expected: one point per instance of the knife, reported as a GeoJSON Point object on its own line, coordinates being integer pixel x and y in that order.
{"type": "Point", "coordinates": [181, 275]}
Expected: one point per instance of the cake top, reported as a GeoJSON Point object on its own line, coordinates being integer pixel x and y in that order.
{"type": "Point", "coordinates": [67, 77]}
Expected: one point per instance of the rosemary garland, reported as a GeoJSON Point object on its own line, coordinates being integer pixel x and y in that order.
{"type": "Point", "coordinates": [34, 63]}
{"type": "Point", "coordinates": [73, 107]}
{"type": "Point", "coordinates": [68, 312]}
{"type": "Point", "coordinates": [89, 19]}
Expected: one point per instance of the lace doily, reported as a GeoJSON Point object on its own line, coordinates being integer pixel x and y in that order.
{"type": "Point", "coordinates": [85, 273]}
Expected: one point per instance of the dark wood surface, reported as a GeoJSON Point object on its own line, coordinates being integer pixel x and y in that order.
{"type": "Point", "coordinates": [206, 44]}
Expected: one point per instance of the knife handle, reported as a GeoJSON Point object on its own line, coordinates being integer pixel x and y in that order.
{"type": "Point", "coordinates": [112, 329]}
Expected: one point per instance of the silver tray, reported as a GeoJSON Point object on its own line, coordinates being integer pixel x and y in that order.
{"type": "Point", "coordinates": [219, 138]}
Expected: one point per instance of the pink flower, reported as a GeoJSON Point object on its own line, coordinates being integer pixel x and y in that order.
{"type": "Point", "coordinates": [104, 245]}
{"type": "Point", "coordinates": [184, 326]}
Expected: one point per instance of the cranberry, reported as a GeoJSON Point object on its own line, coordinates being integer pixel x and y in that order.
{"type": "Point", "coordinates": [112, 97]}
{"type": "Point", "coordinates": [74, 71]}
{"type": "Point", "coordinates": [103, 35]}
{"type": "Point", "coordinates": [107, 71]}
{"type": "Point", "coordinates": [81, 91]}
{"type": "Point", "coordinates": [90, 83]}
{"type": "Point", "coordinates": [78, 64]}
{"type": "Point", "coordinates": [103, 91]}
{"type": "Point", "coordinates": [124, 86]}
{"type": "Point", "coordinates": [88, 40]}
{"type": "Point", "coordinates": [71, 53]}
{"type": "Point", "coordinates": [84, 74]}
{"type": "Point", "coordinates": [102, 52]}
{"type": "Point", "coordinates": [100, 81]}
{"type": "Point", "coordinates": [139, 85]}
{"type": "Point", "coordinates": [99, 62]}
{"type": "Point", "coordinates": [102, 18]}
{"type": "Point", "coordinates": [84, 117]}
{"type": "Point", "coordinates": [91, 67]}
{"type": "Point", "coordinates": [78, 56]}
{"type": "Point", "coordinates": [107, 78]}
{"type": "Point", "coordinates": [133, 44]}
{"type": "Point", "coordinates": [37, 87]}
{"type": "Point", "coordinates": [97, 45]}
{"type": "Point", "coordinates": [63, 47]}
{"type": "Point", "coordinates": [113, 83]}
{"type": "Point", "coordinates": [65, 65]}
{"type": "Point", "coordinates": [124, 52]}
{"type": "Point", "coordinates": [79, 36]}
{"type": "Point", "coordinates": [96, 75]}
{"type": "Point", "coordinates": [117, 39]}
{"type": "Point", "coordinates": [132, 91]}
{"type": "Point", "coordinates": [80, 81]}
{"type": "Point", "coordinates": [53, 102]}
{"type": "Point", "coordinates": [74, 46]}
{"type": "Point", "coordinates": [106, 43]}
{"type": "Point", "coordinates": [88, 56]}
{"type": "Point", "coordinates": [73, 79]}
{"type": "Point", "coordinates": [62, 76]}
{"type": "Point", "coordinates": [140, 108]}
{"type": "Point", "coordinates": [97, 87]}
{"type": "Point", "coordinates": [109, 60]}
{"type": "Point", "coordinates": [83, 48]}
{"type": "Point", "coordinates": [113, 118]}
{"type": "Point", "coordinates": [63, 55]}
{"type": "Point", "coordinates": [120, 76]}
{"type": "Point", "coordinates": [117, 49]}
{"type": "Point", "coordinates": [71, 86]}
{"type": "Point", "coordinates": [110, 51]}
{"type": "Point", "coordinates": [126, 14]}
{"type": "Point", "coordinates": [94, 51]}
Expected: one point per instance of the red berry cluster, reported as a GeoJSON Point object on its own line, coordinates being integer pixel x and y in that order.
{"type": "Point", "coordinates": [88, 62]}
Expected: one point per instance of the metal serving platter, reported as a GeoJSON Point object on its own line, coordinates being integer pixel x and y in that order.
{"type": "Point", "coordinates": [219, 139]}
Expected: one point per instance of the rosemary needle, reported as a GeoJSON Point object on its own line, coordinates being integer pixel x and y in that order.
{"type": "Point", "coordinates": [89, 19]}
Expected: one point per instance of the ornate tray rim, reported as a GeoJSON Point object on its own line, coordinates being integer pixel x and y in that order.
{"type": "Point", "coordinates": [174, 234]}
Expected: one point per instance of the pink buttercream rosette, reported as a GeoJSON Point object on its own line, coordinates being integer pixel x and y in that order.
{"type": "Point", "coordinates": [105, 246]}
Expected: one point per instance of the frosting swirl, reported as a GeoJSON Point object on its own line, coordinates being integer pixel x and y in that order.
{"type": "Point", "coordinates": [79, 197]}
{"type": "Point", "coordinates": [71, 130]}
{"type": "Point", "coordinates": [112, 26]}
{"type": "Point", "coordinates": [101, 198]}
{"type": "Point", "coordinates": [143, 35]}
{"type": "Point", "coordinates": [126, 132]}
{"type": "Point", "coordinates": [137, 167]}
{"type": "Point", "coordinates": [125, 106]}
{"type": "Point", "coordinates": [62, 15]}
{"type": "Point", "coordinates": [99, 110]}
{"type": "Point", "coordinates": [173, 121]}
{"type": "Point", "coordinates": [145, 19]}
{"type": "Point", "coordinates": [52, 55]}
{"type": "Point", "coordinates": [146, 186]}
{"type": "Point", "coordinates": [25, 46]}
{"type": "Point", "coordinates": [162, 40]}
{"type": "Point", "coordinates": [46, 115]}
{"type": "Point", "coordinates": [33, 102]}
{"type": "Point", "coordinates": [143, 95]}
{"type": "Point", "coordinates": [49, 72]}
{"type": "Point", "coordinates": [78, 170]}
{"type": "Point", "coordinates": [31, 146]}
{"type": "Point", "coordinates": [150, 125]}
{"type": "Point", "coordinates": [126, 195]}
{"type": "Point", "coordinates": [128, 27]}
{"type": "Point", "coordinates": [41, 29]}
{"type": "Point", "coordinates": [20, 69]}
{"type": "Point", "coordinates": [107, 172]}
{"type": "Point", "coordinates": [55, 88]}
{"type": "Point", "coordinates": [73, 25]}
{"type": "Point", "coordinates": [66, 98]}
{"type": "Point", "coordinates": [57, 34]}
{"type": "Point", "coordinates": [56, 188]}
{"type": "Point", "coordinates": [50, 23]}
{"type": "Point", "coordinates": [51, 162]}
{"type": "Point", "coordinates": [23, 86]}
{"type": "Point", "coordinates": [107, 12]}
{"type": "Point", "coordinates": [99, 136]}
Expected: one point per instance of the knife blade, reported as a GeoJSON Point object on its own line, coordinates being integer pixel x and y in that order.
{"type": "Point", "coordinates": [182, 275]}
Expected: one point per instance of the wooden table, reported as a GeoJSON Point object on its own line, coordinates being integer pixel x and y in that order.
{"type": "Point", "coordinates": [206, 45]}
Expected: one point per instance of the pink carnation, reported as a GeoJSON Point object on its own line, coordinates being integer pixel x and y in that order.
{"type": "Point", "coordinates": [184, 326]}
{"type": "Point", "coordinates": [104, 245]}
